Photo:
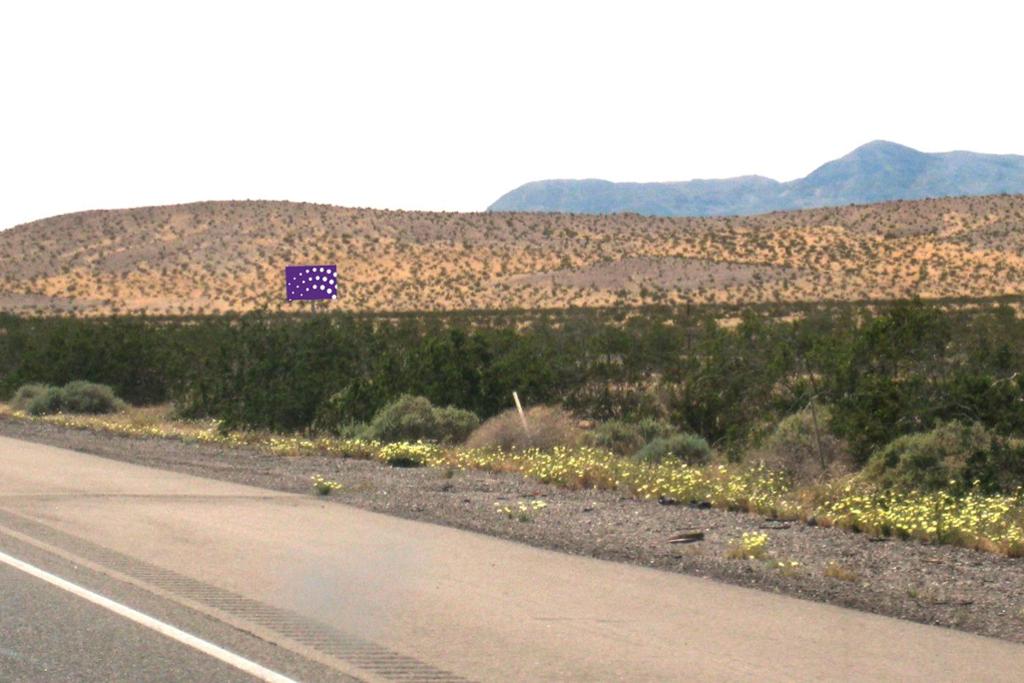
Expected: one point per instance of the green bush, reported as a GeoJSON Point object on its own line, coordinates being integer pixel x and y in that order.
{"type": "Point", "coordinates": [345, 412]}
{"type": "Point", "coordinates": [928, 461]}
{"type": "Point", "coordinates": [410, 418]}
{"type": "Point", "coordinates": [455, 424]}
{"type": "Point", "coordinates": [626, 438]}
{"type": "Point", "coordinates": [73, 397]}
{"type": "Point", "coordinates": [87, 397]}
{"type": "Point", "coordinates": [652, 428]}
{"type": "Point", "coordinates": [27, 393]}
{"type": "Point", "coordinates": [689, 448]}
{"type": "Point", "coordinates": [353, 430]}
{"type": "Point", "coordinates": [617, 436]}
{"type": "Point", "coordinates": [47, 403]}
{"type": "Point", "coordinates": [1001, 469]}
{"type": "Point", "coordinates": [414, 418]}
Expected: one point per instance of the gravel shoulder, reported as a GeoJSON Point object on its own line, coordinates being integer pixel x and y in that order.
{"type": "Point", "coordinates": [941, 585]}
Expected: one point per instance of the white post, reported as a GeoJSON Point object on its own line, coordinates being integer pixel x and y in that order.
{"type": "Point", "coordinates": [522, 415]}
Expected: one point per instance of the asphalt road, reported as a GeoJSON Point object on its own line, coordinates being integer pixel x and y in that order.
{"type": "Point", "coordinates": [316, 589]}
{"type": "Point", "coordinates": [51, 635]}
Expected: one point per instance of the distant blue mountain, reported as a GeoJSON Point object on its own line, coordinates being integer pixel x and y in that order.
{"type": "Point", "coordinates": [876, 172]}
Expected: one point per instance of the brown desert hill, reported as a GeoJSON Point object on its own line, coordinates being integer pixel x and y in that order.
{"type": "Point", "coordinates": [220, 256]}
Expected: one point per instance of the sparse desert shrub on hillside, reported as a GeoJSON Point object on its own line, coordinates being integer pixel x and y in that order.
{"type": "Point", "coordinates": [930, 461]}
{"type": "Point", "coordinates": [689, 448]}
{"type": "Point", "coordinates": [806, 452]}
{"type": "Point", "coordinates": [548, 426]}
{"type": "Point", "coordinates": [27, 393]}
{"type": "Point", "coordinates": [414, 418]}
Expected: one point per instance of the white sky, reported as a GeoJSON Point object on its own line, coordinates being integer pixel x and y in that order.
{"type": "Point", "coordinates": [443, 105]}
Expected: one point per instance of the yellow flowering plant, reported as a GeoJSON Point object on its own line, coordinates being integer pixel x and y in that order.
{"type": "Point", "coordinates": [974, 519]}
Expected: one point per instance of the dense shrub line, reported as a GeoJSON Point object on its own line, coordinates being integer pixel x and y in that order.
{"type": "Point", "coordinates": [877, 375]}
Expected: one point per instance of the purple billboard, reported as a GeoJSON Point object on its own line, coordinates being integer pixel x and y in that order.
{"type": "Point", "coordinates": [311, 283]}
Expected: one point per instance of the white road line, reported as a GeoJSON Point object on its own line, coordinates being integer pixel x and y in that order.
{"type": "Point", "coordinates": [206, 647]}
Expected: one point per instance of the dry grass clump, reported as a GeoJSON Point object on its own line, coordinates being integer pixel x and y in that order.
{"type": "Point", "coordinates": [547, 427]}
{"type": "Point", "coordinates": [802, 447]}
{"type": "Point", "coordinates": [834, 570]}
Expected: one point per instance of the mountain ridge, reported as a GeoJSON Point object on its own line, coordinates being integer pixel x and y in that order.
{"type": "Point", "coordinates": [877, 171]}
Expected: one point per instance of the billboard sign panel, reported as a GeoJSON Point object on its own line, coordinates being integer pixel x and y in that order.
{"type": "Point", "coordinates": [311, 283]}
